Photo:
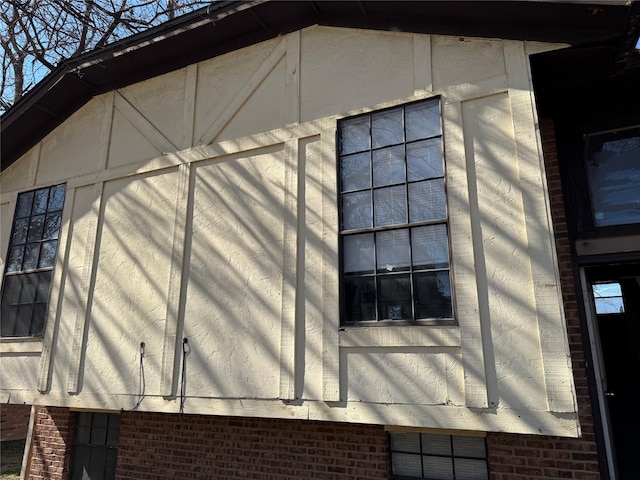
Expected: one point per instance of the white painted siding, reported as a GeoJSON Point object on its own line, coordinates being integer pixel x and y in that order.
{"type": "Point", "coordinates": [201, 204]}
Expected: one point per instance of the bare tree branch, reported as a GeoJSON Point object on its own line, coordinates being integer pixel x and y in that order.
{"type": "Point", "coordinates": [37, 35]}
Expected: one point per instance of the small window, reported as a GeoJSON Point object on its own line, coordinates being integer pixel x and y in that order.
{"type": "Point", "coordinates": [433, 456]}
{"type": "Point", "coordinates": [393, 216]}
{"type": "Point", "coordinates": [30, 259]}
{"type": "Point", "coordinates": [613, 169]}
{"type": "Point", "coordinates": [95, 446]}
{"type": "Point", "coordinates": [608, 298]}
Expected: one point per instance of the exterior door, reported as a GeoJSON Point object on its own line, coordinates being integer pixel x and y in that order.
{"type": "Point", "coordinates": [616, 298]}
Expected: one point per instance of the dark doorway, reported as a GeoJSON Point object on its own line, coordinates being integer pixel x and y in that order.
{"type": "Point", "coordinates": [616, 294]}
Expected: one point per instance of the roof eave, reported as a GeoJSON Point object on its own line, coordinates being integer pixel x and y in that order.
{"type": "Point", "coordinates": [230, 25]}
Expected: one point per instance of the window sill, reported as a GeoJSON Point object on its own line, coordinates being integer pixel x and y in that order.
{"type": "Point", "coordinates": [400, 336]}
{"type": "Point", "coordinates": [20, 345]}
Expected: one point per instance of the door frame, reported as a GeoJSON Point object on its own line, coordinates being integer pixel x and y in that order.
{"type": "Point", "coordinates": [598, 371]}
{"type": "Point", "coordinates": [590, 272]}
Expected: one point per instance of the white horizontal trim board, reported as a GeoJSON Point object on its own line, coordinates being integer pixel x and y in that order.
{"type": "Point", "coordinates": [427, 416]}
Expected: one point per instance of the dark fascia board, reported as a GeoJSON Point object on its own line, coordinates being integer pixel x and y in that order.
{"type": "Point", "coordinates": [230, 25]}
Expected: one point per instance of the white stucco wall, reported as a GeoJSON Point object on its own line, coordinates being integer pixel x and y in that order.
{"type": "Point", "coordinates": [201, 205]}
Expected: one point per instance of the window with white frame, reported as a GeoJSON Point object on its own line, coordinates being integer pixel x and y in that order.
{"type": "Point", "coordinates": [30, 259]}
{"type": "Point", "coordinates": [437, 457]}
{"type": "Point", "coordinates": [393, 216]}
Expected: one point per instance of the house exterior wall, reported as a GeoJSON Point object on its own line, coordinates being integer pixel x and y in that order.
{"type": "Point", "coordinates": [201, 205]}
{"type": "Point", "coordinates": [521, 457]}
{"type": "Point", "coordinates": [194, 446]}
{"type": "Point", "coordinates": [160, 446]}
{"type": "Point", "coordinates": [14, 421]}
{"type": "Point", "coordinates": [51, 444]}
{"type": "Point", "coordinates": [169, 446]}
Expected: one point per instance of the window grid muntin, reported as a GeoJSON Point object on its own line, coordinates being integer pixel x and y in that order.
{"type": "Point", "coordinates": [372, 188]}
{"type": "Point", "coordinates": [377, 273]}
{"type": "Point", "coordinates": [12, 325]}
{"type": "Point", "coordinates": [368, 147]}
{"type": "Point", "coordinates": [43, 237]}
{"type": "Point", "coordinates": [49, 206]}
{"type": "Point", "coordinates": [422, 454]}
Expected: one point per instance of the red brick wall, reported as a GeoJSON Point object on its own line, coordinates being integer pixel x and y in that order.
{"type": "Point", "coordinates": [170, 446]}
{"type": "Point", "coordinates": [521, 457]}
{"type": "Point", "coordinates": [14, 421]}
{"type": "Point", "coordinates": [51, 444]}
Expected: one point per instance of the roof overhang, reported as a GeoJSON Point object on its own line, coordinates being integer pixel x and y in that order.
{"type": "Point", "coordinates": [230, 25]}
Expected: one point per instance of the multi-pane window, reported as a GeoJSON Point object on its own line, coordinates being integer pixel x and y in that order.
{"type": "Point", "coordinates": [30, 259]}
{"type": "Point", "coordinates": [95, 446]}
{"type": "Point", "coordinates": [437, 457]}
{"type": "Point", "coordinates": [393, 216]}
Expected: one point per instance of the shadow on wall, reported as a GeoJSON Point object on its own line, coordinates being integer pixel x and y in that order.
{"type": "Point", "coordinates": [225, 283]}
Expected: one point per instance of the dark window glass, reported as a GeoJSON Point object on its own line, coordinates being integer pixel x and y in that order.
{"type": "Point", "coordinates": [51, 226]}
{"type": "Point", "coordinates": [393, 216]}
{"type": "Point", "coordinates": [31, 254]}
{"type": "Point", "coordinates": [432, 294]}
{"type": "Point", "coordinates": [393, 251]}
{"type": "Point", "coordinates": [23, 320]}
{"type": "Point", "coordinates": [394, 297]}
{"type": "Point", "coordinates": [20, 229]}
{"type": "Point", "coordinates": [360, 299]}
{"type": "Point", "coordinates": [356, 173]}
{"type": "Point", "coordinates": [388, 166]}
{"type": "Point", "coordinates": [433, 456]}
{"type": "Point", "coordinates": [39, 313]}
{"type": "Point", "coordinates": [387, 127]}
{"type": "Point", "coordinates": [56, 198]}
{"type": "Point", "coordinates": [36, 227]}
{"type": "Point", "coordinates": [423, 120]}
{"type": "Point", "coordinates": [8, 321]}
{"type": "Point", "coordinates": [356, 137]}
{"type": "Point", "coordinates": [356, 210]}
{"type": "Point", "coordinates": [95, 446]}
{"type": "Point", "coordinates": [23, 207]}
{"type": "Point", "coordinates": [47, 254]}
{"type": "Point", "coordinates": [430, 247]}
{"type": "Point", "coordinates": [24, 303]}
{"type": "Point", "coordinates": [40, 201]}
{"type": "Point", "coordinates": [16, 256]}
{"type": "Point", "coordinates": [359, 254]}
{"type": "Point", "coordinates": [30, 260]}
{"type": "Point", "coordinates": [390, 206]}
{"type": "Point", "coordinates": [613, 170]}
{"type": "Point", "coordinates": [425, 160]}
